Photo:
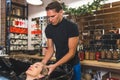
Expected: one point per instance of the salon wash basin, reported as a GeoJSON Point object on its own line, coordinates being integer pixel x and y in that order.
{"type": "Point", "coordinates": [13, 69]}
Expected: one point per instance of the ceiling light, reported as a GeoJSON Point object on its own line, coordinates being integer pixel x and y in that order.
{"type": "Point", "coordinates": [34, 2]}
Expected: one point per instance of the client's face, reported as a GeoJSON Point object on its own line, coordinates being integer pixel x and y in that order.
{"type": "Point", "coordinates": [35, 69]}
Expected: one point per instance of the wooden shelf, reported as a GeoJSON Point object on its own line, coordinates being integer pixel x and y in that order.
{"type": "Point", "coordinates": [108, 66]}
{"type": "Point", "coordinates": [29, 56]}
{"type": "Point", "coordinates": [92, 63]}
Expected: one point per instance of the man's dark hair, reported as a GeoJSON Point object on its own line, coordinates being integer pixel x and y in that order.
{"type": "Point", "coordinates": [54, 5]}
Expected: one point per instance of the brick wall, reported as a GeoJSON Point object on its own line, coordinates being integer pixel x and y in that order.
{"type": "Point", "coordinates": [105, 18]}
{"type": "Point", "coordinates": [0, 20]}
{"type": "Point", "coordinates": [2, 23]}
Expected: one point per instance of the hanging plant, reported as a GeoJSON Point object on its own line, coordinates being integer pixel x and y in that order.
{"type": "Point", "coordinates": [84, 9]}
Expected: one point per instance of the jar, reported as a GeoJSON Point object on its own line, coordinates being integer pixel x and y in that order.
{"type": "Point", "coordinates": [81, 55]}
{"type": "Point", "coordinates": [116, 54]}
{"type": "Point", "coordinates": [92, 55]}
{"type": "Point", "coordinates": [109, 54]}
{"type": "Point", "coordinates": [87, 55]}
{"type": "Point", "coordinates": [103, 54]}
{"type": "Point", "coordinates": [97, 55]}
{"type": "Point", "coordinates": [88, 76]}
{"type": "Point", "coordinates": [18, 12]}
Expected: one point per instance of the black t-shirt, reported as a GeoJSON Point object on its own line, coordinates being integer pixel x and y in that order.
{"type": "Point", "coordinates": [60, 34]}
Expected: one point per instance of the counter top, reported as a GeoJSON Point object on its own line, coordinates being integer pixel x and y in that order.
{"type": "Point", "coordinates": [101, 65]}
{"type": "Point", "coordinates": [36, 56]}
{"type": "Point", "coordinates": [89, 63]}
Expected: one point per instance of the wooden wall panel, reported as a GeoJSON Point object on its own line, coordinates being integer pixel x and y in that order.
{"type": "Point", "coordinates": [105, 18]}
{"type": "Point", "coordinates": [113, 9]}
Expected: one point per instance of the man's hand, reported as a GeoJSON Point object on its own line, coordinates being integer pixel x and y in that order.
{"type": "Point", "coordinates": [51, 68]}
{"type": "Point", "coordinates": [41, 76]}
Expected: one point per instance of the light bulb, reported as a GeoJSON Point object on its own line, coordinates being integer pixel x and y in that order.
{"type": "Point", "coordinates": [34, 2]}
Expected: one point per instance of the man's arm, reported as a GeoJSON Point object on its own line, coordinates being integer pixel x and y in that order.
{"type": "Point", "coordinates": [49, 52]}
{"type": "Point", "coordinates": [72, 44]}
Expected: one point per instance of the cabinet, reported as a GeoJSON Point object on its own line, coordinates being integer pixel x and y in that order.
{"type": "Point", "coordinates": [16, 27]}
{"type": "Point", "coordinates": [93, 67]}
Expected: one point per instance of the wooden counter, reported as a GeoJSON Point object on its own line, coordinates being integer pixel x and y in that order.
{"type": "Point", "coordinates": [92, 64]}
{"type": "Point", "coordinates": [108, 66]}
{"type": "Point", "coordinates": [36, 56]}
{"type": "Point", "coordinates": [101, 64]}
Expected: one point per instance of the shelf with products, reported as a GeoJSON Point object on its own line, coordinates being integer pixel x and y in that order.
{"type": "Point", "coordinates": [17, 26]}
{"type": "Point", "coordinates": [18, 34]}
{"type": "Point", "coordinates": [18, 39]}
{"type": "Point", "coordinates": [37, 32]}
{"type": "Point", "coordinates": [19, 10]}
{"type": "Point", "coordinates": [95, 32]}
